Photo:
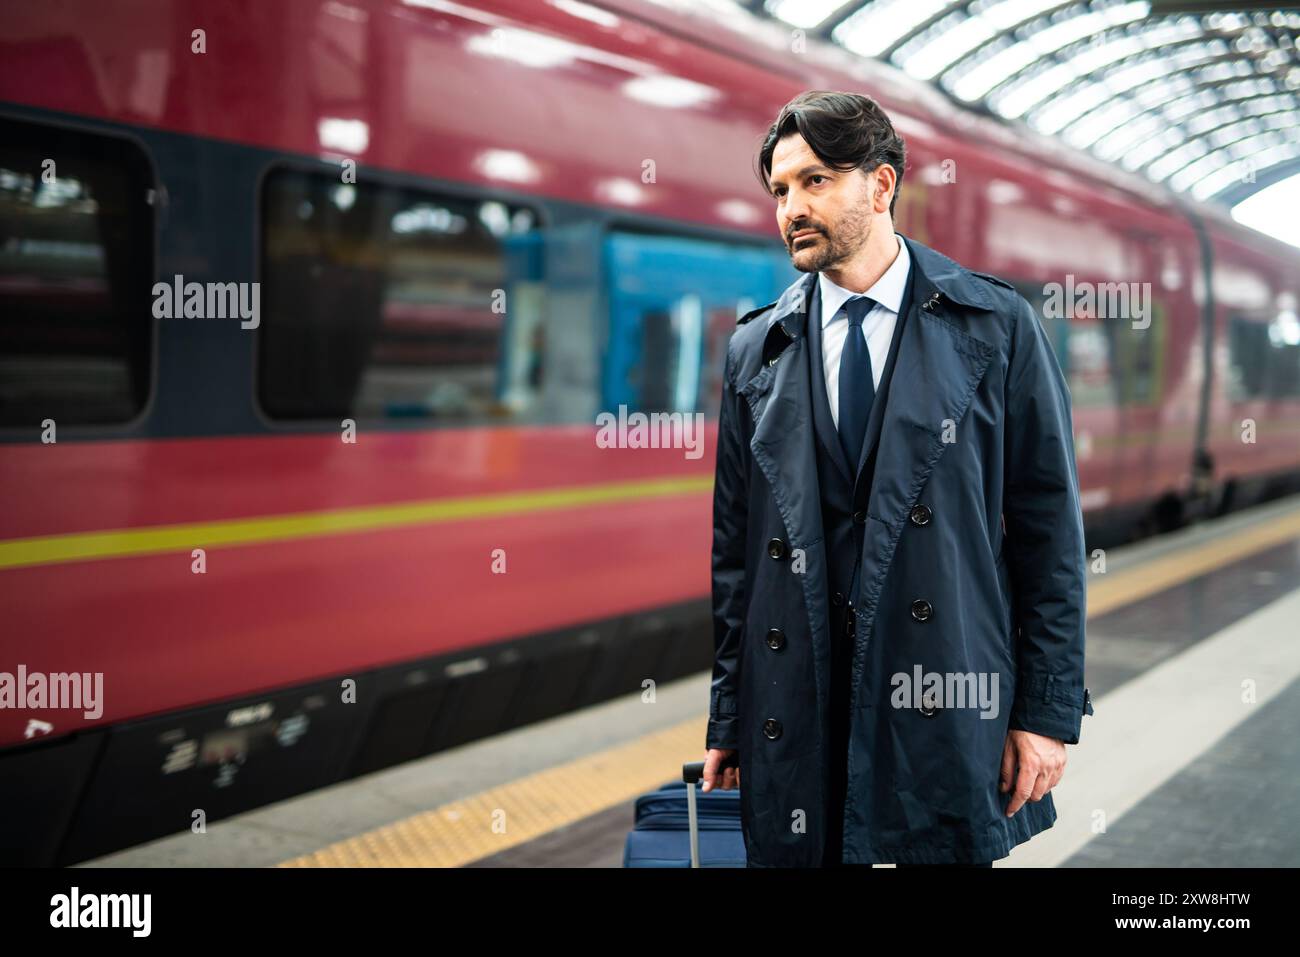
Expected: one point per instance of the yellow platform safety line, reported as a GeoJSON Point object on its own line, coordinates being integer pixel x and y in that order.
{"type": "Point", "coordinates": [518, 811]}
{"type": "Point", "coordinates": [1112, 590]}
{"type": "Point", "coordinates": [159, 539]}
{"type": "Point", "coordinates": [461, 832]}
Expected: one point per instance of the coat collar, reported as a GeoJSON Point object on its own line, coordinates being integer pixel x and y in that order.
{"type": "Point", "coordinates": [935, 273]}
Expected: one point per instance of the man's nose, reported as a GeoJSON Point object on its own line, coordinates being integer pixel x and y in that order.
{"type": "Point", "coordinates": [797, 214]}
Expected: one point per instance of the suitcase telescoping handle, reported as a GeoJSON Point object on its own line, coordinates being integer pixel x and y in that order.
{"type": "Point", "coordinates": [692, 773]}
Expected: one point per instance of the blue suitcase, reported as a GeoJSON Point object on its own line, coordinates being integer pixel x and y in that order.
{"type": "Point", "coordinates": [677, 827]}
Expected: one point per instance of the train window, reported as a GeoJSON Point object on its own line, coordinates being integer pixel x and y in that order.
{"type": "Point", "coordinates": [1247, 358]}
{"type": "Point", "coordinates": [1089, 370]}
{"type": "Point", "coordinates": [673, 305]}
{"type": "Point", "coordinates": [1139, 354]}
{"type": "Point", "coordinates": [1264, 357]}
{"type": "Point", "coordinates": [76, 273]}
{"type": "Point", "coordinates": [1106, 361]}
{"type": "Point", "coordinates": [1036, 296]}
{"type": "Point", "coordinates": [382, 302]}
{"type": "Point", "coordinates": [1084, 346]}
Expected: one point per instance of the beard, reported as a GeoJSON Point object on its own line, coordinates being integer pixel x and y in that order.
{"type": "Point", "coordinates": [835, 245]}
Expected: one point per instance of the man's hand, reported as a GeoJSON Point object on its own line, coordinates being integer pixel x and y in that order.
{"type": "Point", "coordinates": [1041, 762]}
{"type": "Point", "coordinates": [728, 779]}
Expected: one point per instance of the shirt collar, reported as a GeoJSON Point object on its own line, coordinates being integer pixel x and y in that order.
{"type": "Point", "coordinates": [888, 289]}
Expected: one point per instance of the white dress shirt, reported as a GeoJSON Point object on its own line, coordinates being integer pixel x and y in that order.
{"type": "Point", "coordinates": [878, 326]}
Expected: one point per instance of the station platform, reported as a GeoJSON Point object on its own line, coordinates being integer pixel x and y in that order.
{"type": "Point", "coordinates": [1191, 760]}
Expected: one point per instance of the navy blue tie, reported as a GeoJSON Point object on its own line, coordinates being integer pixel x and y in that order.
{"type": "Point", "coordinates": [857, 387]}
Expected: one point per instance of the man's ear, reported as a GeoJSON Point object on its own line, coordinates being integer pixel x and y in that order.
{"type": "Point", "coordinates": [878, 187]}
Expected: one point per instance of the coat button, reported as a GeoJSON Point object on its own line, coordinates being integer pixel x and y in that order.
{"type": "Point", "coordinates": [929, 703]}
{"type": "Point", "coordinates": [775, 639]}
{"type": "Point", "coordinates": [776, 548]}
{"type": "Point", "coordinates": [848, 623]}
{"type": "Point", "coordinates": [772, 728]}
{"type": "Point", "coordinates": [837, 599]}
{"type": "Point", "coordinates": [860, 516]}
{"type": "Point", "coordinates": [922, 610]}
{"type": "Point", "coordinates": [920, 515]}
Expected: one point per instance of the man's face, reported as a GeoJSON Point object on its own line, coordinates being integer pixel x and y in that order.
{"type": "Point", "coordinates": [833, 210]}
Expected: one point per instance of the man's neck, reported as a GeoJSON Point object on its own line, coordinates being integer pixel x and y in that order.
{"type": "Point", "coordinates": [871, 262]}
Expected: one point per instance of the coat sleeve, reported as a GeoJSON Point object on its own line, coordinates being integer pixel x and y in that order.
{"type": "Point", "coordinates": [1044, 538]}
{"type": "Point", "coordinates": [730, 521]}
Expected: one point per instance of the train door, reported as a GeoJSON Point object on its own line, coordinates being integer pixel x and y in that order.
{"type": "Point", "coordinates": [1085, 350]}
{"type": "Point", "coordinates": [1135, 314]}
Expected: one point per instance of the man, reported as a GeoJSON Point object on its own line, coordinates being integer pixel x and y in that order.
{"type": "Point", "coordinates": [898, 554]}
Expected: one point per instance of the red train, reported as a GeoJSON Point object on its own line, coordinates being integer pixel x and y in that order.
{"type": "Point", "coordinates": [365, 518]}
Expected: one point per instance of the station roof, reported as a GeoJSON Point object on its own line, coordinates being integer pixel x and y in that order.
{"type": "Point", "coordinates": [1202, 96]}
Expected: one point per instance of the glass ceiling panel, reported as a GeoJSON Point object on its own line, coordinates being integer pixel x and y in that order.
{"type": "Point", "coordinates": [960, 34]}
{"type": "Point", "coordinates": [1091, 58]}
{"type": "Point", "coordinates": [1218, 177]}
{"type": "Point", "coordinates": [802, 13]}
{"type": "Point", "coordinates": [882, 23]}
{"type": "Point", "coordinates": [995, 70]}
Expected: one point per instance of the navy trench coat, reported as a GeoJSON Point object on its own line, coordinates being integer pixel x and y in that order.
{"type": "Point", "coordinates": [976, 428]}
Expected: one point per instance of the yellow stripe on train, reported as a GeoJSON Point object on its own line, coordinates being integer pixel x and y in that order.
{"type": "Point", "coordinates": [158, 539]}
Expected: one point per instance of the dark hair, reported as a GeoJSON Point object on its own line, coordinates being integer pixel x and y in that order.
{"type": "Point", "coordinates": [845, 130]}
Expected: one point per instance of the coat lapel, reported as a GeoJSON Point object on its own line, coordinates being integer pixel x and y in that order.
{"type": "Point", "coordinates": [780, 400]}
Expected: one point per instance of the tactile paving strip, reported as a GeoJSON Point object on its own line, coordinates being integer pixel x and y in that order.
{"type": "Point", "coordinates": [518, 811]}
